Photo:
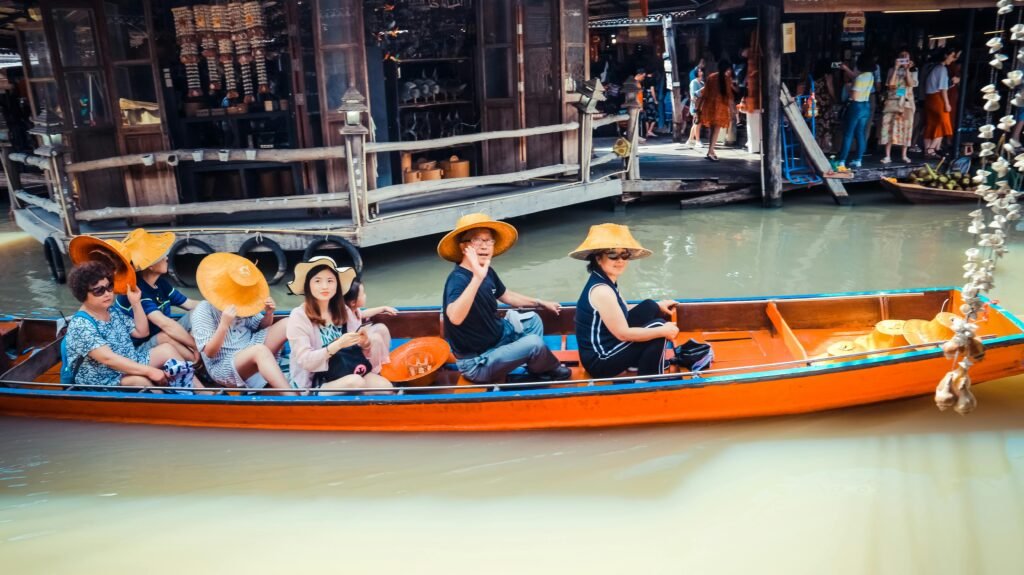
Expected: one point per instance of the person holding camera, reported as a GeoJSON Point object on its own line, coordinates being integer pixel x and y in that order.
{"type": "Point", "coordinates": [898, 109]}
{"type": "Point", "coordinates": [858, 111]}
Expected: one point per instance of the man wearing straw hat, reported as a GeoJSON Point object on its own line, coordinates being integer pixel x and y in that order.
{"type": "Point", "coordinates": [486, 346]}
{"type": "Point", "coordinates": [149, 257]}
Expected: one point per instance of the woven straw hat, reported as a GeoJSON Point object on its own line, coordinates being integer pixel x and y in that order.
{"type": "Point", "coordinates": [887, 333]}
{"type": "Point", "coordinates": [940, 328]}
{"type": "Point", "coordinates": [345, 275]}
{"type": "Point", "coordinates": [111, 252]}
{"type": "Point", "coordinates": [148, 249]}
{"type": "Point", "coordinates": [228, 279]}
{"type": "Point", "coordinates": [844, 348]}
{"type": "Point", "coordinates": [505, 236]}
{"type": "Point", "coordinates": [608, 237]}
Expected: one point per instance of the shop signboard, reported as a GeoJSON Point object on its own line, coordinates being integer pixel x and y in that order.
{"type": "Point", "coordinates": [789, 38]}
{"type": "Point", "coordinates": [853, 28]}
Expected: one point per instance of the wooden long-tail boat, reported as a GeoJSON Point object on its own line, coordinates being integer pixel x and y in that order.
{"type": "Point", "coordinates": [771, 359]}
{"type": "Point", "coordinates": [918, 194]}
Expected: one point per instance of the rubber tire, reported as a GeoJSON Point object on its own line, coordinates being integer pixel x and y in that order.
{"type": "Point", "coordinates": [172, 270]}
{"type": "Point", "coordinates": [54, 259]}
{"type": "Point", "coordinates": [275, 248]}
{"type": "Point", "coordinates": [351, 250]}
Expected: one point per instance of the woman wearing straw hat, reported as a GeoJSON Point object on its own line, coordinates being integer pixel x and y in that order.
{"type": "Point", "coordinates": [149, 256]}
{"type": "Point", "coordinates": [486, 346]}
{"type": "Point", "coordinates": [612, 337]}
{"type": "Point", "coordinates": [98, 343]}
{"type": "Point", "coordinates": [329, 350]}
{"type": "Point", "coordinates": [234, 328]}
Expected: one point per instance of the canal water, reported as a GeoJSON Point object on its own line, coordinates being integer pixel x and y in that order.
{"type": "Point", "coordinates": [892, 488]}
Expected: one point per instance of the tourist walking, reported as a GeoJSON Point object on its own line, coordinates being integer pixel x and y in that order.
{"type": "Point", "coordinates": [898, 109]}
{"type": "Point", "coordinates": [696, 89]}
{"type": "Point", "coordinates": [717, 106]}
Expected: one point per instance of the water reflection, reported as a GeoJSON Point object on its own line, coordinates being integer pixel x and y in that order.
{"type": "Point", "coordinates": [891, 488]}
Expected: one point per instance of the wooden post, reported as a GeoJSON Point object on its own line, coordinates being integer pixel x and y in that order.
{"type": "Point", "coordinates": [353, 105]}
{"type": "Point", "coordinates": [668, 29]}
{"type": "Point", "coordinates": [964, 72]}
{"type": "Point", "coordinates": [12, 172]}
{"type": "Point", "coordinates": [63, 189]}
{"type": "Point", "coordinates": [632, 89]}
{"type": "Point", "coordinates": [586, 135]}
{"type": "Point", "coordinates": [771, 72]}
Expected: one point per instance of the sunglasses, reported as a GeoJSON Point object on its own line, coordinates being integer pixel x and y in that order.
{"type": "Point", "coordinates": [615, 255]}
{"type": "Point", "coordinates": [99, 291]}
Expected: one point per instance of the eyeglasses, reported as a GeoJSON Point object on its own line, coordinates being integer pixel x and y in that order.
{"type": "Point", "coordinates": [615, 256]}
{"type": "Point", "coordinates": [480, 241]}
{"type": "Point", "coordinates": [99, 291]}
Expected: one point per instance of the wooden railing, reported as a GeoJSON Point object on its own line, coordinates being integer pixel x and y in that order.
{"type": "Point", "coordinates": [362, 201]}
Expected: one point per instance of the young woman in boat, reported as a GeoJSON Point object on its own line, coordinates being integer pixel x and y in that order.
{"type": "Point", "coordinates": [379, 336]}
{"type": "Point", "coordinates": [328, 348]}
{"type": "Point", "coordinates": [611, 336]}
{"type": "Point", "coordinates": [149, 256]}
{"type": "Point", "coordinates": [98, 342]}
{"type": "Point", "coordinates": [234, 327]}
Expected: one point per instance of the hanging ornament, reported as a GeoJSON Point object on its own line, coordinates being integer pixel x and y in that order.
{"type": "Point", "coordinates": [258, 37]}
{"type": "Point", "coordinates": [185, 32]}
{"type": "Point", "coordinates": [220, 21]}
{"type": "Point", "coordinates": [243, 48]}
{"type": "Point", "coordinates": [204, 29]}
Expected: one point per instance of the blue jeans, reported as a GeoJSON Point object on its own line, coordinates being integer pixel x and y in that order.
{"type": "Point", "coordinates": [855, 124]}
{"type": "Point", "coordinates": [513, 349]}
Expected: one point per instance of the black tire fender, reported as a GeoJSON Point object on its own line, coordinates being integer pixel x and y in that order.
{"type": "Point", "coordinates": [172, 270]}
{"type": "Point", "coordinates": [274, 247]}
{"type": "Point", "coordinates": [351, 250]}
{"type": "Point", "coordinates": [54, 260]}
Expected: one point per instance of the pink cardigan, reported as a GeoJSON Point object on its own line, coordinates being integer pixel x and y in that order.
{"type": "Point", "coordinates": [308, 353]}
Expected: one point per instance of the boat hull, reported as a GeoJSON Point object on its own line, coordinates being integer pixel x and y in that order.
{"type": "Point", "coordinates": [784, 392]}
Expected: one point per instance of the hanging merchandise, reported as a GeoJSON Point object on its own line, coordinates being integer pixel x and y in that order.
{"type": "Point", "coordinates": [208, 42]}
{"type": "Point", "coordinates": [221, 24]}
{"type": "Point", "coordinates": [185, 30]}
{"type": "Point", "coordinates": [257, 22]}
{"type": "Point", "coordinates": [243, 48]}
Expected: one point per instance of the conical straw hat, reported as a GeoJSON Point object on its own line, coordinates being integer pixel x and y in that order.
{"type": "Point", "coordinates": [939, 329]}
{"type": "Point", "coordinates": [148, 249]}
{"type": "Point", "coordinates": [888, 333]}
{"type": "Point", "coordinates": [505, 236]}
{"type": "Point", "coordinates": [608, 237]}
{"type": "Point", "coordinates": [228, 279]}
{"type": "Point", "coordinates": [111, 252]}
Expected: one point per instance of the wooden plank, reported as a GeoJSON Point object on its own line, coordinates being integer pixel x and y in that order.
{"type": "Point", "coordinates": [421, 145]}
{"type": "Point", "coordinates": [792, 343]}
{"type": "Point", "coordinates": [225, 207]}
{"type": "Point", "coordinates": [614, 119]}
{"type": "Point", "coordinates": [403, 190]}
{"type": "Point", "coordinates": [48, 205]}
{"type": "Point", "coordinates": [836, 6]}
{"type": "Point", "coordinates": [604, 158]}
{"type": "Point", "coordinates": [811, 149]}
{"type": "Point", "coordinates": [282, 156]}
{"type": "Point", "coordinates": [647, 187]}
{"type": "Point", "coordinates": [741, 195]}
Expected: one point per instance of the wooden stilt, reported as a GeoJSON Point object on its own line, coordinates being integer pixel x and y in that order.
{"type": "Point", "coordinates": [771, 71]}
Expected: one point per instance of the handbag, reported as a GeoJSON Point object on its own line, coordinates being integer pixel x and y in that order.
{"type": "Point", "coordinates": [893, 106]}
{"type": "Point", "coordinates": [347, 361]}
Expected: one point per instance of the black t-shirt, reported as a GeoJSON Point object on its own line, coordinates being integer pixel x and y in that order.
{"type": "Point", "coordinates": [481, 330]}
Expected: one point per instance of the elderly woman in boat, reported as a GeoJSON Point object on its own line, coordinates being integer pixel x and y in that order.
{"type": "Point", "coordinates": [98, 344]}
{"type": "Point", "coordinates": [612, 337]}
{"type": "Point", "coordinates": [486, 346]}
{"type": "Point", "coordinates": [329, 349]}
{"type": "Point", "coordinates": [148, 254]}
{"type": "Point", "coordinates": [234, 328]}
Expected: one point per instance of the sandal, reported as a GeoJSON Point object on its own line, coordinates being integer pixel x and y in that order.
{"type": "Point", "coordinates": [711, 158]}
{"type": "Point", "coordinates": [885, 161]}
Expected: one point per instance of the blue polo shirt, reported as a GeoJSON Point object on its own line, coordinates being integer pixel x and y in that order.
{"type": "Point", "coordinates": [154, 298]}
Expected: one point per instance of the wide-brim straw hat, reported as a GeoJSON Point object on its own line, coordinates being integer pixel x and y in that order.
{"type": "Point", "coordinates": [346, 275]}
{"type": "Point", "coordinates": [148, 249]}
{"type": "Point", "coordinates": [505, 236]}
{"type": "Point", "coordinates": [417, 362]}
{"type": "Point", "coordinates": [888, 333]}
{"type": "Point", "coordinates": [938, 329]}
{"type": "Point", "coordinates": [228, 279]}
{"type": "Point", "coordinates": [845, 347]}
{"type": "Point", "coordinates": [609, 237]}
{"type": "Point", "coordinates": [111, 252]}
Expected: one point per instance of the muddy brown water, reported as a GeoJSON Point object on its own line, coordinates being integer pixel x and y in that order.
{"type": "Point", "coordinates": [890, 488]}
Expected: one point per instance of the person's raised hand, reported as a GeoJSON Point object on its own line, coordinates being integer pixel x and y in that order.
{"type": "Point", "coordinates": [478, 268]}
{"type": "Point", "coordinates": [134, 294]}
{"type": "Point", "coordinates": [269, 305]}
{"type": "Point", "coordinates": [229, 314]}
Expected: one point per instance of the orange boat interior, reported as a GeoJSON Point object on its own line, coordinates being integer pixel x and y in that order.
{"type": "Point", "coordinates": [745, 335]}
